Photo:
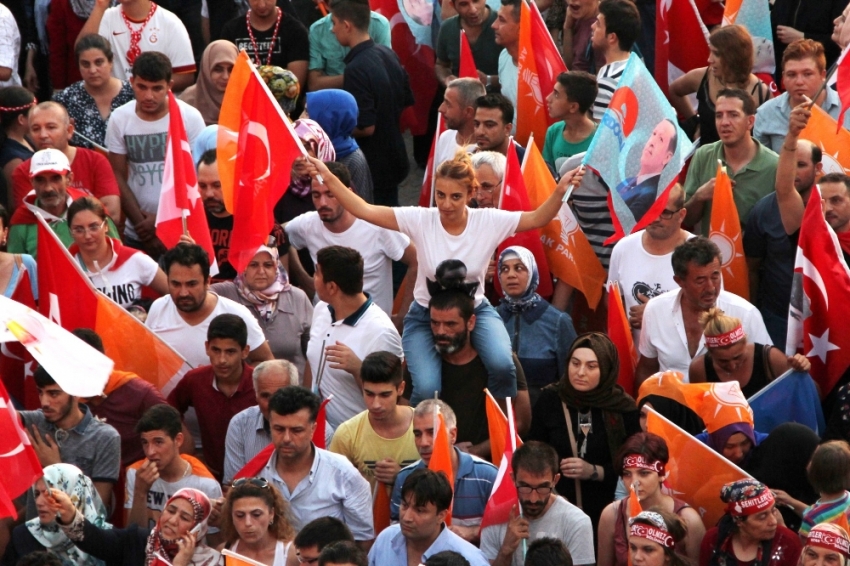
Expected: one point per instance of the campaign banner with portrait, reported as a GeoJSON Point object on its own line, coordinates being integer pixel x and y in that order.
{"type": "Point", "coordinates": [638, 150]}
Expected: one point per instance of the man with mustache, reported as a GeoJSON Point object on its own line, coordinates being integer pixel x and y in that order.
{"type": "Point", "coordinates": [220, 221]}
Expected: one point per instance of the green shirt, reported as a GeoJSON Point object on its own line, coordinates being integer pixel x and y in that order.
{"type": "Point", "coordinates": [485, 52]}
{"type": "Point", "coordinates": [753, 181]}
{"type": "Point", "coordinates": [556, 149]}
{"type": "Point", "coordinates": [326, 54]}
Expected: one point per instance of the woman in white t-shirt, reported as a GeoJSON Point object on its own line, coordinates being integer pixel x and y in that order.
{"type": "Point", "coordinates": [114, 269]}
{"type": "Point", "coordinates": [452, 230]}
{"type": "Point", "coordinates": [254, 522]}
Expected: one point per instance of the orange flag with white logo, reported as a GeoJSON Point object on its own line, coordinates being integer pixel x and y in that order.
{"type": "Point", "coordinates": [725, 231]}
{"type": "Point", "coordinates": [497, 426]}
{"type": "Point", "coordinates": [441, 455]}
{"type": "Point", "coordinates": [568, 252]}
{"type": "Point", "coordinates": [621, 335]}
{"type": "Point", "coordinates": [531, 114]}
{"type": "Point", "coordinates": [821, 131]}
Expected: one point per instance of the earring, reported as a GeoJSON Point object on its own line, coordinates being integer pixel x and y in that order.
{"type": "Point", "coordinates": [271, 522]}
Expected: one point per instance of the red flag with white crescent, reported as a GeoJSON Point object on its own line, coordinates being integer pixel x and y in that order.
{"type": "Point", "coordinates": [18, 460]}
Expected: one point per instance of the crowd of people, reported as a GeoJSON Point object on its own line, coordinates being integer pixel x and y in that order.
{"type": "Point", "coordinates": [319, 370]}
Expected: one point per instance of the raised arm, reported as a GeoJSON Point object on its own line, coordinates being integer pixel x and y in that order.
{"type": "Point", "coordinates": [791, 205]}
{"type": "Point", "coordinates": [382, 216]}
{"type": "Point", "coordinates": [92, 24]}
{"type": "Point", "coordinates": [550, 207]}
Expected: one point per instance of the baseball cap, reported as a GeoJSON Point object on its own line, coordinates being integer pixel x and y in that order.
{"type": "Point", "coordinates": [49, 161]}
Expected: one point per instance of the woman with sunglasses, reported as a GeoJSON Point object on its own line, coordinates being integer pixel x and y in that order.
{"type": "Point", "coordinates": [255, 522]}
{"type": "Point", "coordinates": [119, 271]}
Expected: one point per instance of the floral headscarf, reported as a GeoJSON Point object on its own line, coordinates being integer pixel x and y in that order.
{"type": "Point", "coordinates": [70, 480]}
{"type": "Point", "coordinates": [167, 548]}
{"type": "Point", "coordinates": [265, 301]}
{"type": "Point", "coordinates": [314, 138]}
{"type": "Point", "coordinates": [530, 297]}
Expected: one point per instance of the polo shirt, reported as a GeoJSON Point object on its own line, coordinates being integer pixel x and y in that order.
{"type": "Point", "coordinates": [752, 182]}
{"type": "Point", "coordinates": [214, 409]}
{"type": "Point", "coordinates": [367, 330]}
{"type": "Point", "coordinates": [485, 52]}
{"type": "Point", "coordinates": [669, 342]}
{"type": "Point", "coordinates": [332, 488]}
{"type": "Point", "coordinates": [474, 480]}
{"type": "Point", "coordinates": [391, 548]}
{"type": "Point", "coordinates": [327, 55]}
{"type": "Point", "coordinates": [772, 118]}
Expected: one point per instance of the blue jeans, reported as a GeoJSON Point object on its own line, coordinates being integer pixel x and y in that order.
{"type": "Point", "coordinates": [489, 338]}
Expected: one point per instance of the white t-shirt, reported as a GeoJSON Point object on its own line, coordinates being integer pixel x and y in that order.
{"type": "Point", "coordinates": [164, 33]}
{"type": "Point", "coordinates": [165, 320]}
{"type": "Point", "coordinates": [486, 228]}
{"type": "Point", "coordinates": [378, 246]}
{"type": "Point", "coordinates": [123, 283]}
{"type": "Point", "coordinates": [640, 272]}
{"type": "Point", "coordinates": [508, 77]}
{"type": "Point", "coordinates": [143, 143]}
{"type": "Point", "coordinates": [663, 335]}
{"type": "Point", "coordinates": [366, 331]}
{"type": "Point", "coordinates": [10, 46]}
{"type": "Point", "coordinates": [446, 147]}
{"type": "Point", "coordinates": [562, 521]}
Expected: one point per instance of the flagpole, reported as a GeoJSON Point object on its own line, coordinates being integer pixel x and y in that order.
{"type": "Point", "coordinates": [826, 81]}
{"type": "Point", "coordinates": [183, 214]}
{"type": "Point", "coordinates": [512, 433]}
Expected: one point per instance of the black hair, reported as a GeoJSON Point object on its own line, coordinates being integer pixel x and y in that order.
{"type": "Point", "coordinates": [93, 41]}
{"type": "Point", "coordinates": [548, 551]}
{"type": "Point", "coordinates": [427, 486]}
{"type": "Point", "coordinates": [535, 457]}
{"type": "Point", "coordinates": [322, 532]}
{"type": "Point", "coordinates": [4, 216]}
{"type": "Point", "coordinates": [187, 255]}
{"type": "Point", "coordinates": [516, 6]}
{"type": "Point", "coordinates": [699, 250]}
{"type": "Point", "coordinates": [17, 98]}
{"type": "Point", "coordinates": [748, 103]}
{"type": "Point", "coordinates": [230, 326]}
{"type": "Point", "coordinates": [580, 87]}
{"type": "Point", "coordinates": [836, 178]}
{"type": "Point", "coordinates": [40, 558]}
{"type": "Point", "coordinates": [152, 66]}
{"type": "Point", "coordinates": [293, 398]}
{"type": "Point", "coordinates": [89, 203]}
{"type": "Point", "coordinates": [382, 367]}
{"type": "Point", "coordinates": [340, 171]}
{"type": "Point", "coordinates": [621, 17]}
{"type": "Point", "coordinates": [343, 552]}
{"type": "Point", "coordinates": [447, 558]}
{"type": "Point", "coordinates": [208, 157]}
{"type": "Point", "coordinates": [448, 299]}
{"type": "Point", "coordinates": [42, 378]}
{"type": "Point", "coordinates": [356, 13]}
{"type": "Point", "coordinates": [90, 337]}
{"type": "Point", "coordinates": [161, 417]}
{"type": "Point", "coordinates": [343, 266]}
{"type": "Point", "coordinates": [498, 101]}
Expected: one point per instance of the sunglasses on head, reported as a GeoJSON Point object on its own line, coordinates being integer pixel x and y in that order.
{"type": "Point", "coordinates": [256, 482]}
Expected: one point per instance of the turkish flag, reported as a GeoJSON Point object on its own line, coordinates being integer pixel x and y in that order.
{"type": "Point", "coordinates": [16, 364]}
{"type": "Point", "coordinates": [180, 196]}
{"type": "Point", "coordinates": [681, 40]}
{"type": "Point", "coordinates": [18, 460]}
{"type": "Point", "coordinates": [818, 325]}
{"type": "Point", "coordinates": [426, 194]}
{"type": "Point", "coordinates": [467, 63]}
{"type": "Point", "coordinates": [842, 83]}
{"type": "Point", "coordinates": [504, 495]}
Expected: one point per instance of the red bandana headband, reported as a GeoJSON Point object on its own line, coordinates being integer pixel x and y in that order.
{"type": "Point", "coordinates": [654, 534]}
{"type": "Point", "coordinates": [829, 540]}
{"type": "Point", "coordinates": [725, 339]}
{"type": "Point", "coordinates": [638, 461]}
{"type": "Point", "coordinates": [757, 504]}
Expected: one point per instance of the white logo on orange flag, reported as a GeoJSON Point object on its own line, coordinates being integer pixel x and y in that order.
{"type": "Point", "coordinates": [725, 231]}
{"type": "Point", "coordinates": [821, 130]}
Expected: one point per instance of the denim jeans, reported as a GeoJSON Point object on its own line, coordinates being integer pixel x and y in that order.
{"type": "Point", "coordinates": [489, 339]}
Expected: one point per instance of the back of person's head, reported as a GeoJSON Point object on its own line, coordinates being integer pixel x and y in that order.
{"type": "Point", "coordinates": [536, 458]}
{"type": "Point", "coordinates": [580, 86]}
{"type": "Point", "coordinates": [187, 255]}
{"type": "Point", "coordinates": [340, 171]}
{"type": "Point", "coordinates": [289, 400]}
{"type": "Point", "coordinates": [817, 152]}
{"type": "Point", "coordinates": [699, 250]}
{"type": "Point", "coordinates": [449, 299]}
{"type": "Point", "coordinates": [382, 367]}
{"type": "Point", "coordinates": [161, 417]}
{"type": "Point", "coordinates": [425, 486]}
{"type": "Point", "coordinates": [343, 552]}
{"type": "Point", "coordinates": [86, 203]}
{"type": "Point", "coordinates": [343, 266]}
{"type": "Point", "coordinates": [40, 558]}
{"type": "Point", "coordinates": [14, 102]}
{"type": "Point", "coordinates": [90, 337]}
{"type": "Point", "coordinates": [734, 46]}
{"type": "Point", "coordinates": [152, 66]}
{"type": "Point", "coordinates": [747, 102]}
{"type": "Point", "coordinates": [93, 41]}
{"type": "Point", "coordinates": [805, 49]}
{"type": "Point", "coordinates": [459, 169]}
{"type": "Point", "coordinates": [42, 378]}
{"type": "Point", "coordinates": [426, 408]}
{"type": "Point", "coordinates": [836, 178]}
{"type": "Point", "coordinates": [621, 17]}
{"type": "Point", "coordinates": [352, 11]}
{"type": "Point", "coordinates": [230, 326]}
{"type": "Point", "coordinates": [547, 551]}
{"type": "Point", "coordinates": [517, 10]}
{"type": "Point", "coordinates": [208, 157]}
{"type": "Point", "coordinates": [321, 532]}
{"type": "Point", "coordinates": [499, 102]}
{"type": "Point", "coordinates": [468, 90]}
{"type": "Point", "coordinates": [829, 468]}
{"type": "Point", "coordinates": [447, 558]}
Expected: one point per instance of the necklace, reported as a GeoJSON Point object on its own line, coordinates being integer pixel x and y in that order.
{"type": "Point", "coordinates": [254, 41]}
{"type": "Point", "coordinates": [187, 470]}
{"type": "Point", "coordinates": [136, 34]}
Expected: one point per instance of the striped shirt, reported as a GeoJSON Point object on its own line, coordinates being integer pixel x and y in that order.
{"type": "Point", "coordinates": [590, 206]}
{"type": "Point", "coordinates": [825, 512]}
{"type": "Point", "coordinates": [607, 79]}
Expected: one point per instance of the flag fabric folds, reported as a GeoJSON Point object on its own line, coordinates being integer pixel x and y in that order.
{"type": "Point", "coordinates": [842, 83]}
{"type": "Point", "coordinates": [180, 197]}
{"type": "Point", "coordinates": [69, 298]}
{"type": "Point", "coordinates": [821, 130]}
{"type": "Point", "coordinates": [16, 364]}
{"type": "Point", "coordinates": [18, 460]}
{"type": "Point", "coordinates": [321, 423]}
{"type": "Point", "coordinates": [791, 397]}
{"type": "Point", "coordinates": [467, 68]}
{"type": "Point", "coordinates": [725, 231]}
{"type": "Point", "coordinates": [233, 559]}
{"type": "Point", "coordinates": [229, 123]}
{"type": "Point", "coordinates": [818, 325]}
{"type": "Point", "coordinates": [621, 335]}
{"type": "Point", "coordinates": [503, 495]}
{"type": "Point", "coordinates": [681, 40]}
{"type": "Point", "coordinates": [441, 455]}
{"type": "Point", "coordinates": [497, 426]}
{"type": "Point", "coordinates": [568, 253]}
{"type": "Point", "coordinates": [381, 518]}
{"type": "Point", "coordinates": [695, 472]}
{"type": "Point", "coordinates": [639, 128]}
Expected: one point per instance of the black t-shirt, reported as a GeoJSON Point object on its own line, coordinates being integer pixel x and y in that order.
{"type": "Point", "coordinates": [220, 230]}
{"type": "Point", "coordinates": [291, 44]}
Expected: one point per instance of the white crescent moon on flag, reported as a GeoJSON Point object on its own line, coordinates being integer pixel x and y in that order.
{"type": "Point", "coordinates": [259, 131]}
{"type": "Point", "coordinates": [810, 271]}
{"type": "Point", "coordinates": [13, 452]}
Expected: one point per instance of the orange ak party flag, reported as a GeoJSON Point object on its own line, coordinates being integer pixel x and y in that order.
{"type": "Point", "coordinates": [821, 131]}
{"type": "Point", "coordinates": [441, 455]}
{"type": "Point", "coordinates": [497, 425]}
{"type": "Point", "coordinates": [567, 250]}
{"type": "Point", "coordinates": [725, 231]}
{"type": "Point", "coordinates": [233, 559]}
{"type": "Point", "coordinates": [621, 335]}
{"type": "Point", "coordinates": [531, 114]}
{"type": "Point", "coordinates": [467, 68]}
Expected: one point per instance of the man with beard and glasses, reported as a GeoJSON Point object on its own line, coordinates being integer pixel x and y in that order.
{"type": "Point", "coordinates": [219, 219]}
{"type": "Point", "coordinates": [544, 512]}
{"type": "Point", "coordinates": [332, 225]}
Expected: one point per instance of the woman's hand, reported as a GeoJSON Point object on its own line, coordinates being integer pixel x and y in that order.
{"type": "Point", "coordinates": [60, 503]}
{"type": "Point", "coordinates": [186, 549]}
{"type": "Point", "coordinates": [571, 180]}
{"type": "Point", "coordinates": [311, 166]}
{"type": "Point", "coordinates": [186, 239]}
{"type": "Point", "coordinates": [576, 468]}
{"type": "Point", "coordinates": [799, 362]}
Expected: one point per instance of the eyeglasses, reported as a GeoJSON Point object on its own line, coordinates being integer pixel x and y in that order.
{"type": "Point", "coordinates": [91, 228]}
{"type": "Point", "coordinates": [668, 214]}
{"type": "Point", "coordinates": [256, 482]}
{"type": "Point", "coordinates": [488, 187]}
{"type": "Point", "coordinates": [542, 490]}
{"type": "Point", "coordinates": [302, 560]}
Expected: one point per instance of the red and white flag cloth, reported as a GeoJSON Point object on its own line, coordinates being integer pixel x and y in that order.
{"type": "Point", "coordinates": [16, 364]}
{"type": "Point", "coordinates": [180, 196]}
{"type": "Point", "coordinates": [503, 496]}
{"type": "Point", "coordinates": [18, 460]}
{"type": "Point", "coordinates": [842, 84]}
{"type": "Point", "coordinates": [681, 40]}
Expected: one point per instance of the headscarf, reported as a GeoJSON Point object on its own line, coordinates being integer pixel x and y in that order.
{"type": "Point", "coordinates": [718, 439]}
{"type": "Point", "coordinates": [529, 298]}
{"type": "Point", "coordinates": [747, 494]}
{"type": "Point", "coordinates": [746, 497]}
{"type": "Point", "coordinates": [265, 301]}
{"type": "Point", "coordinates": [607, 396]}
{"type": "Point", "coordinates": [206, 140]}
{"type": "Point", "coordinates": [70, 480]}
{"type": "Point", "coordinates": [336, 112]}
{"type": "Point", "coordinates": [204, 95]}
{"type": "Point", "coordinates": [315, 138]}
{"type": "Point", "coordinates": [157, 544]}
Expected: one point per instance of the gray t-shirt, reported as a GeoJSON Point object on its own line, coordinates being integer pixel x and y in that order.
{"type": "Point", "coordinates": [563, 521]}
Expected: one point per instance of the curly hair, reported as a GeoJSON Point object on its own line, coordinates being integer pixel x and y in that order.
{"type": "Point", "coordinates": [281, 528]}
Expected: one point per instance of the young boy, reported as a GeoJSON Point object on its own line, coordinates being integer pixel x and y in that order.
{"type": "Point", "coordinates": [569, 103]}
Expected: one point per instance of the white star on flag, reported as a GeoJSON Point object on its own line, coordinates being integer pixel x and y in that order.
{"type": "Point", "coordinates": [821, 346]}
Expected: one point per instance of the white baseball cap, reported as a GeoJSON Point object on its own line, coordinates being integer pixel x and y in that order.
{"type": "Point", "coordinates": [49, 161]}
